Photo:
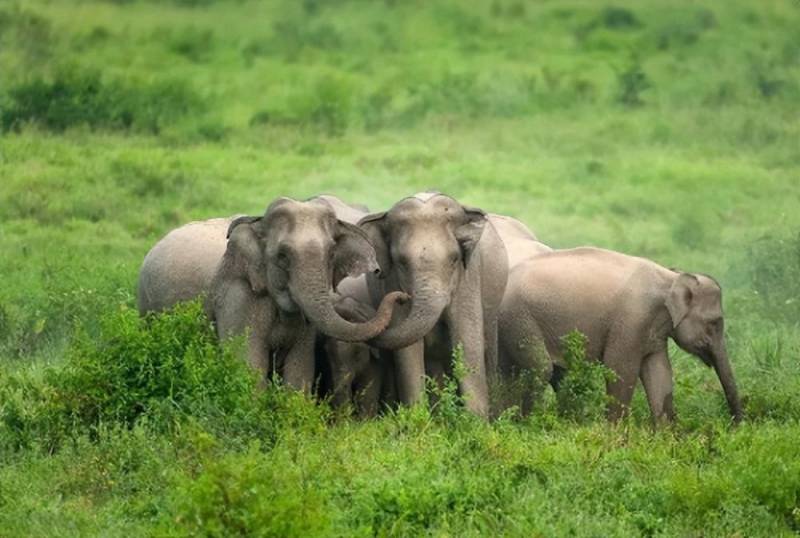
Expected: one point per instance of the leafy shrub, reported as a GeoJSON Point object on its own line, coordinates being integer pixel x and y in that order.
{"type": "Point", "coordinates": [163, 369]}
{"type": "Point", "coordinates": [325, 106]}
{"type": "Point", "coordinates": [581, 394]}
{"type": "Point", "coordinates": [247, 495]}
{"type": "Point", "coordinates": [192, 43]}
{"type": "Point", "coordinates": [612, 19]}
{"type": "Point", "coordinates": [448, 406]}
{"type": "Point", "coordinates": [631, 82]}
{"type": "Point", "coordinates": [75, 97]}
{"type": "Point", "coordinates": [292, 36]}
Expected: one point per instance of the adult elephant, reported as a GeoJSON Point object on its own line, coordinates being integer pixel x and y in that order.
{"type": "Point", "coordinates": [628, 307]}
{"type": "Point", "coordinates": [520, 242]}
{"type": "Point", "coordinates": [449, 258]}
{"type": "Point", "coordinates": [181, 266]}
{"type": "Point", "coordinates": [276, 278]}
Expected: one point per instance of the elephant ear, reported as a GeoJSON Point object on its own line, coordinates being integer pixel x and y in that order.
{"type": "Point", "coordinates": [469, 233]}
{"type": "Point", "coordinates": [244, 242]}
{"type": "Point", "coordinates": [353, 254]}
{"type": "Point", "coordinates": [680, 297]}
{"type": "Point", "coordinates": [240, 220]}
{"type": "Point", "coordinates": [374, 226]}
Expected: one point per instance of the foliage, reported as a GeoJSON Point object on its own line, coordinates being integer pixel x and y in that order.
{"type": "Point", "coordinates": [74, 98]}
{"type": "Point", "coordinates": [249, 495]}
{"type": "Point", "coordinates": [163, 369]}
{"type": "Point", "coordinates": [581, 394]}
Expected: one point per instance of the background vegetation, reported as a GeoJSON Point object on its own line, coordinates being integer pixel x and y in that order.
{"type": "Point", "coordinates": [663, 129]}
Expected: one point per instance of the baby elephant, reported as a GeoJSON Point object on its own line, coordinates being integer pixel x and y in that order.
{"type": "Point", "coordinates": [627, 307]}
{"type": "Point", "coordinates": [353, 372]}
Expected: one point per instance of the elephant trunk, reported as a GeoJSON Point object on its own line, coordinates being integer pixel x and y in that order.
{"type": "Point", "coordinates": [426, 309]}
{"type": "Point", "coordinates": [723, 368]}
{"type": "Point", "coordinates": [314, 294]}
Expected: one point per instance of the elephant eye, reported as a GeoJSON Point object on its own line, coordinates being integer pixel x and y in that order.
{"type": "Point", "coordinates": [454, 258]}
{"type": "Point", "coordinates": [282, 259]}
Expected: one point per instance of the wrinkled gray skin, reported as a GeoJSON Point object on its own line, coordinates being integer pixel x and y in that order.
{"type": "Point", "coordinates": [520, 242]}
{"type": "Point", "coordinates": [256, 285]}
{"type": "Point", "coordinates": [627, 307]}
{"type": "Point", "coordinates": [354, 372]}
{"type": "Point", "coordinates": [451, 261]}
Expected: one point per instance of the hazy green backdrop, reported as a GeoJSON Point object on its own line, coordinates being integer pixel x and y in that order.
{"type": "Point", "coordinates": [667, 129]}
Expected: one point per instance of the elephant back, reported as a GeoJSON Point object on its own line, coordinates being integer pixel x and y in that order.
{"type": "Point", "coordinates": [181, 266]}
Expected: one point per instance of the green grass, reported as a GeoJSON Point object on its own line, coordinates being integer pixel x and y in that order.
{"type": "Point", "coordinates": [663, 129]}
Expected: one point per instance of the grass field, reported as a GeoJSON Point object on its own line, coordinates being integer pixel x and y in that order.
{"type": "Point", "coordinates": [662, 129]}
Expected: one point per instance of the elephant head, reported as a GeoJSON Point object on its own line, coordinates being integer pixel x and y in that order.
{"type": "Point", "coordinates": [695, 307]}
{"type": "Point", "coordinates": [297, 253]}
{"type": "Point", "coordinates": [423, 246]}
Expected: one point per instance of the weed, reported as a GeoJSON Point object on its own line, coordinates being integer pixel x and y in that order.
{"type": "Point", "coordinates": [581, 394]}
{"type": "Point", "coordinates": [631, 82]}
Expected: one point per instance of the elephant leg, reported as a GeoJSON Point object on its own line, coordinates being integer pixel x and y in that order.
{"type": "Point", "coordinates": [656, 376]}
{"type": "Point", "coordinates": [258, 348]}
{"type": "Point", "coordinates": [298, 368]}
{"type": "Point", "coordinates": [258, 356]}
{"type": "Point", "coordinates": [624, 358]}
{"type": "Point", "coordinates": [410, 367]}
{"type": "Point", "coordinates": [341, 372]}
{"type": "Point", "coordinates": [465, 320]}
{"type": "Point", "coordinates": [388, 396]}
{"type": "Point", "coordinates": [239, 313]}
{"type": "Point", "coordinates": [525, 364]}
{"type": "Point", "coordinates": [368, 390]}
{"type": "Point", "coordinates": [491, 345]}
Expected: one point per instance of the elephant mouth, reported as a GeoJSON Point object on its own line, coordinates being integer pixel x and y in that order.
{"type": "Point", "coordinates": [706, 357]}
{"type": "Point", "coordinates": [286, 302]}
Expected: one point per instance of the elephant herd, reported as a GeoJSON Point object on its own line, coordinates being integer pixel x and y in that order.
{"type": "Point", "coordinates": [361, 307]}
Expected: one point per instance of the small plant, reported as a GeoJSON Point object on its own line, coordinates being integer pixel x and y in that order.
{"type": "Point", "coordinates": [632, 81]}
{"type": "Point", "coordinates": [449, 404]}
{"type": "Point", "coordinates": [581, 395]}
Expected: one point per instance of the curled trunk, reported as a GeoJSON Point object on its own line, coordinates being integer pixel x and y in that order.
{"type": "Point", "coordinates": [317, 300]}
{"type": "Point", "coordinates": [426, 309]}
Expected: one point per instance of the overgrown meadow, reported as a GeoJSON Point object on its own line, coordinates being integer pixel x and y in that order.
{"type": "Point", "coordinates": [662, 129]}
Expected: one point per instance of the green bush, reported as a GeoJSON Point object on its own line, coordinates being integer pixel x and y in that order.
{"type": "Point", "coordinates": [247, 495]}
{"type": "Point", "coordinates": [581, 395]}
{"type": "Point", "coordinates": [74, 98]}
{"type": "Point", "coordinates": [192, 43]}
{"type": "Point", "coordinates": [163, 368]}
{"type": "Point", "coordinates": [631, 82]}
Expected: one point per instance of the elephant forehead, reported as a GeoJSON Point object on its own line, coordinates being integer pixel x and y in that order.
{"type": "Point", "coordinates": [303, 215]}
{"type": "Point", "coordinates": [436, 208]}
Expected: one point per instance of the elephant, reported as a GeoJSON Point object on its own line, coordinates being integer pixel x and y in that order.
{"type": "Point", "coordinates": [520, 242]}
{"type": "Point", "coordinates": [627, 307]}
{"type": "Point", "coordinates": [353, 372]}
{"type": "Point", "coordinates": [451, 261]}
{"type": "Point", "coordinates": [275, 278]}
{"type": "Point", "coordinates": [181, 266]}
